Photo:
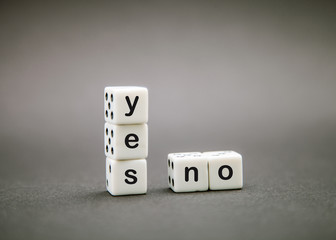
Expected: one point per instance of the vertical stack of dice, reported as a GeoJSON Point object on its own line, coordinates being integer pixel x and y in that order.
{"type": "Point", "coordinates": [126, 139]}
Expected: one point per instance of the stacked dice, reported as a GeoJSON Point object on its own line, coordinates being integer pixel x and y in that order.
{"type": "Point", "coordinates": [195, 171]}
{"type": "Point", "coordinates": [126, 139]}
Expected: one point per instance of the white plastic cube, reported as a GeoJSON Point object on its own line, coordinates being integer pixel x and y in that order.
{"type": "Point", "coordinates": [126, 141]}
{"type": "Point", "coordinates": [225, 170]}
{"type": "Point", "coordinates": [187, 172]}
{"type": "Point", "coordinates": [126, 105]}
{"type": "Point", "coordinates": [126, 177]}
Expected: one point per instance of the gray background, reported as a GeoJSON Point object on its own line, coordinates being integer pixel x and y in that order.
{"type": "Point", "coordinates": [258, 77]}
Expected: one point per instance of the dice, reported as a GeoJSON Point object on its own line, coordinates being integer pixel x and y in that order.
{"type": "Point", "coordinates": [225, 170]}
{"type": "Point", "coordinates": [126, 141]}
{"type": "Point", "coordinates": [126, 105]}
{"type": "Point", "coordinates": [187, 172]}
{"type": "Point", "coordinates": [126, 177]}
{"type": "Point", "coordinates": [195, 171]}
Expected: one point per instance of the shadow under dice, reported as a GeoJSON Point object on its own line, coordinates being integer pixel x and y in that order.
{"type": "Point", "coordinates": [187, 172]}
{"type": "Point", "coordinates": [126, 141]}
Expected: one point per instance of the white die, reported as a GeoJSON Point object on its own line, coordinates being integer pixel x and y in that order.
{"type": "Point", "coordinates": [187, 172]}
{"type": "Point", "coordinates": [126, 141]}
{"type": "Point", "coordinates": [126, 177]}
{"type": "Point", "coordinates": [126, 105]}
{"type": "Point", "coordinates": [225, 170]}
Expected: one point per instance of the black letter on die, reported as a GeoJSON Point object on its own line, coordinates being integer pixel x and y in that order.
{"type": "Point", "coordinates": [127, 174]}
{"type": "Point", "coordinates": [220, 172]}
{"type": "Point", "coordinates": [128, 140]}
{"type": "Point", "coordinates": [187, 170]}
{"type": "Point", "coordinates": [131, 107]}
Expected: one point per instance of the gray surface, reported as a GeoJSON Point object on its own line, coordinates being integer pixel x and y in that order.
{"type": "Point", "coordinates": [256, 78]}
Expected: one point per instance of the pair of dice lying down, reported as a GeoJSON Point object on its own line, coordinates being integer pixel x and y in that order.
{"type": "Point", "coordinates": [195, 171]}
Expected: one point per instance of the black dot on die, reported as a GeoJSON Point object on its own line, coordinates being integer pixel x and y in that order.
{"type": "Point", "coordinates": [106, 113]}
{"type": "Point", "coordinates": [173, 182]}
{"type": "Point", "coordinates": [109, 105]}
{"type": "Point", "coordinates": [106, 148]}
{"type": "Point", "coordinates": [169, 179]}
{"type": "Point", "coordinates": [111, 115]}
{"type": "Point", "coordinates": [111, 133]}
{"type": "Point", "coordinates": [107, 182]}
{"type": "Point", "coordinates": [111, 97]}
{"type": "Point", "coordinates": [168, 162]}
{"type": "Point", "coordinates": [110, 168]}
{"type": "Point", "coordinates": [112, 150]}
{"type": "Point", "coordinates": [106, 131]}
{"type": "Point", "coordinates": [172, 165]}
{"type": "Point", "coordinates": [109, 141]}
{"type": "Point", "coordinates": [106, 96]}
